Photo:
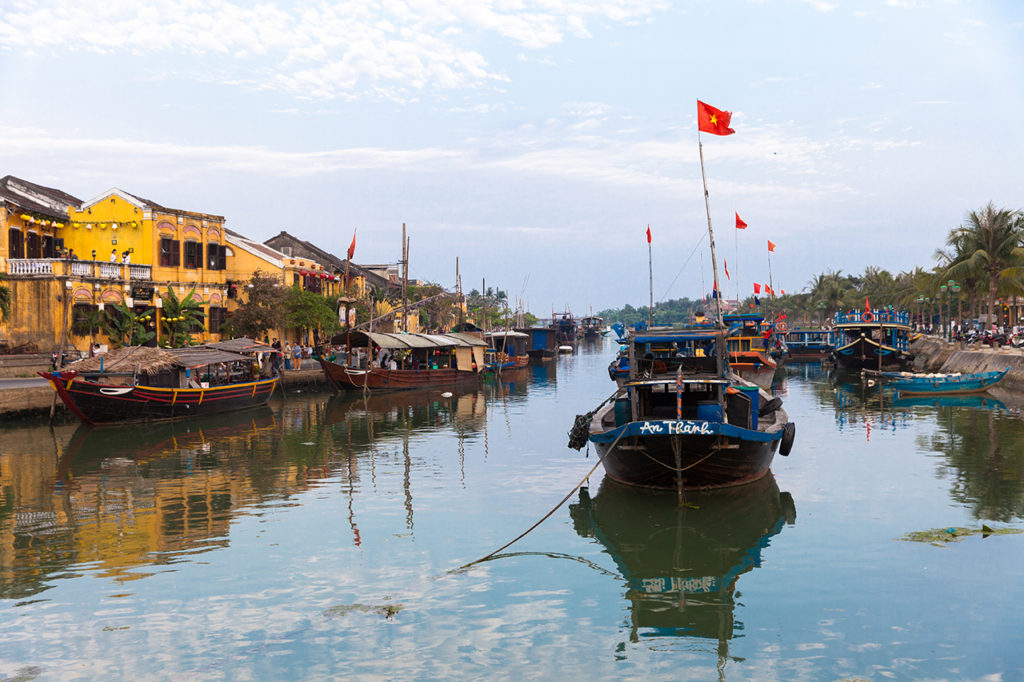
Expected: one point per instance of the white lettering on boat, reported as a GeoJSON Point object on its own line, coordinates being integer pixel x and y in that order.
{"type": "Point", "coordinates": [677, 428]}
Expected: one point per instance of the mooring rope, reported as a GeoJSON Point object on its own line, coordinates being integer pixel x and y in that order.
{"type": "Point", "coordinates": [545, 517]}
{"type": "Point", "coordinates": [581, 425]}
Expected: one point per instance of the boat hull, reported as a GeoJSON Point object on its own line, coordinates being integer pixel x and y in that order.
{"type": "Point", "coordinates": [864, 354]}
{"type": "Point", "coordinates": [99, 403]}
{"type": "Point", "coordinates": [712, 455]}
{"type": "Point", "coordinates": [344, 378]}
{"type": "Point", "coordinates": [947, 385]}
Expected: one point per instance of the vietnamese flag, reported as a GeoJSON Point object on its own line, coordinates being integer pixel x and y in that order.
{"type": "Point", "coordinates": [757, 288]}
{"type": "Point", "coordinates": [712, 120]}
{"type": "Point", "coordinates": [740, 225]}
{"type": "Point", "coordinates": [352, 246]}
{"type": "Point", "coordinates": [771, 246]}
{"type": "Point", "coordinates": [867, 306]}
{"type": "Point", "coordinates": [648, 234]}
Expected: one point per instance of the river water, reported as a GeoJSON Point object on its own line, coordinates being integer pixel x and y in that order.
{"type": "Point", "coordinates": [320, 538]}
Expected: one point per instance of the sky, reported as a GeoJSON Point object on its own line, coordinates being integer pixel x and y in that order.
{"type": "Point", "coordinates": [535, 140]}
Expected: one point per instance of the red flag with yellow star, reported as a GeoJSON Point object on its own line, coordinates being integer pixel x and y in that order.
{"type": "Point", "coordinates": [712, 120]}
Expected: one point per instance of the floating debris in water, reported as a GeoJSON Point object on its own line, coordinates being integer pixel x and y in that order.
{"type": "Point", "coordinates": [389, 611]}
{"type": "Point", "coordinates": [446, 394]}
{"type": "Point", "coordinates": [308, 443]}
{"type": "Point", "coordinates": [939, 536]}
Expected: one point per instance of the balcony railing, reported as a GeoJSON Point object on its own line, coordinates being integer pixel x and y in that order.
{"type": "Point", "coordinates": [53, 267]}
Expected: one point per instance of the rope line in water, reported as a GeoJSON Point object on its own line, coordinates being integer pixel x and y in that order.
{"type": "Point", "coordinates": [546, 516]}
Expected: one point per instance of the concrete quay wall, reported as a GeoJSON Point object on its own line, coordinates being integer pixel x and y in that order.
{"type": "Point", "coordinates": [934, 355]}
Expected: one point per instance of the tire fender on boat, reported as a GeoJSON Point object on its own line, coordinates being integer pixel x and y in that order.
{"type": "Point", "coordinates": [788, 434]}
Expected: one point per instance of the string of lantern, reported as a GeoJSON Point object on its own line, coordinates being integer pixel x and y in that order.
{"type": "Point", "coordinates": [87, 224]}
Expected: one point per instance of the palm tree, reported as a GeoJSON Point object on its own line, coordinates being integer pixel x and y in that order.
{"type": "Point", "coordinates": [990, 243]}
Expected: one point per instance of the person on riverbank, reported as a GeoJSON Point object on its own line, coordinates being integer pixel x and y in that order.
{"type": "Point", "coordinates": [297, 356]}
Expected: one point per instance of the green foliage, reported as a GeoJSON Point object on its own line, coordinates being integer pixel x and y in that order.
{"type": "Point", "coordinates": [262, 309]}
{"type": "Point", "coordinates": [125, 327]}
{"type": "Point", "coordinates": [180, 318]}
{"type": "Point", "coordinates": [307, 310]}
{"type": "Point", "coordinates": [5, 299]}
{"type": "Point", "coordinates": [88, 321]}
{"type": "Point", "coordinates": [673, 312]}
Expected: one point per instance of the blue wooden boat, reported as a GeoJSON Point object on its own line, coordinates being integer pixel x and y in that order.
{"type": "Point", "coordinates": [809, 344]}
{"type": "Point", "coordinates": [872, 340]}
{"type": "Point", "coordinates": [941, 384]}
{"type": "Point", "coordinates": [684, 419]}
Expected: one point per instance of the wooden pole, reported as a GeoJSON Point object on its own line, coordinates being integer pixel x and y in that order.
{"type": "Point", "coordinates": [650, 274]}
{"type": "Point", "coordinates": [405, 274]}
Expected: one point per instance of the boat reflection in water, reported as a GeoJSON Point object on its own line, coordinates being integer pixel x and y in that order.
{"type": "Point", "coordinates": [681, 563]}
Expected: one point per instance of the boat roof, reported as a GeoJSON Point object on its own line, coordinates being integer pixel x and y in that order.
{"type": "Point", "coordinates": [680, 335]}
{"type": "Point", "coordinates": [508, 334]}
{"type": "Point", "coordinates": [409, 340]}
{"type": "Point", "coordinates": [200, 356]}
{"type": "Point", "coordinates": [242, 345]}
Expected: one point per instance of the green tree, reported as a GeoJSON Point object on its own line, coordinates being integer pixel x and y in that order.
{"type": "Point", "coordinates": [87, 322]}
{"type": "Point", "coordinates": [307, 310]}
{"type": "Point", "coordinates": [989, 243]}
{"type": "Point", "coordinates": [180, 318]}
{"type": "Point", "coordinates": [262, 309]}
{"type": "Point", "coordinates": [125, 327]}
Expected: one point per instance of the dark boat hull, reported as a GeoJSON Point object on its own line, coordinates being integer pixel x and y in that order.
{"type": "Point", "coordinates": [725, 456]}
{"type": "Point", "coordinates": [377, 379]}
{"type": "Point", "coordinates": [864, 354]}
{"type": "Point", "coordinates": [99, 403]}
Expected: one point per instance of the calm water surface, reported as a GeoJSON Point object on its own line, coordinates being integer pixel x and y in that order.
{"type": "Point", "coordinates": [318, 538]}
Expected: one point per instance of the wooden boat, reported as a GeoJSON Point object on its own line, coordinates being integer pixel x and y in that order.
{"type": "Point", "coordinates": [506, 349]}
{"type": "Point", "coordinates": [411, 361]}
{"type": "Point", "coordinates": [566, 329]}
{"type": "Point", "coordinates": [875, 340]}
{"type": "Point", "coordinates": [809, 344]}
{"type": "Point", "coordinates": [681, 564]}
{"type": "Point", "coordinates": [591, 327]}
{"type": "Point", "coordinates": [684, 419]}
{"type": "Point", "coordinates": [542, 344]}
{"type": "Point", "coordinates": [138, 383]}
{"type": "Point", "coordinates": [749, 349]}
{"type": "Point", "coordinates": [910, 383]}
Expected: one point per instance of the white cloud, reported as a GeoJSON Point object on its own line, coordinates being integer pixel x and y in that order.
{"type": "Point", "coordinates": [346, 49]}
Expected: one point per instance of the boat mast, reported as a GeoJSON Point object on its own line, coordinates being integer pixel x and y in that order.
{"type": "Point", "coordinates": [717, 292]}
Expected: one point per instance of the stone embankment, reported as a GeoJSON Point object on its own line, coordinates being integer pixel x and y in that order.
{"type": "Point", "coordinates": [935, 355]}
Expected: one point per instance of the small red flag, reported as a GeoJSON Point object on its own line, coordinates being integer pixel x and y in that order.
{"type": "Point", "coordinates": [712, 120]}
{"type": "Point", "coordinates": [726, 264]}
{"type": "Point", "coordinates": [740, 225]}
{"type": "Point", "coordinates": [771, 245]}
{"type": "Point", "coordinates": [648, 234]}
{"type": "Point", "coordinates": [757, 288]}
{"type": "Point", "coordinates": [867, 306]}
{"type": "Point", "coordinates": [352, 246]}
{"type": "Point", "coordinates": [783, 293]}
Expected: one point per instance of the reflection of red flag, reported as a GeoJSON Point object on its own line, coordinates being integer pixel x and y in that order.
{"type": "Point", "coordinates": [352, 246]}
{"type": "Point", "coordinates": [726, 264]}
{"type": "Point", "coordinates": [757, 288]}
{"type": "Point", "coordinates": [712, 120]}
{"type": "Point", "coordinates": [771, 245]}
{"type": "Point", "coordinates": [740, 225]}
{"type": "Point", "coordinates": [648, 234]}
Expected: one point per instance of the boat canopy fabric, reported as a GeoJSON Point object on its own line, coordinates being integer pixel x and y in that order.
{"type": "Point", "coordinates": [395, 341]}
{"type": "Point", "coordinates": [680, 336]}
{"type": "Point", "coordinates": [200, 356]}
{"type": "Point", "coordinates": [510, 335]}
{"type": "Point", "coordinates": [242, 345]}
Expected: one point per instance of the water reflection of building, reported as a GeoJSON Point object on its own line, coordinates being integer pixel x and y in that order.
{"type": "Point", "coordinates": [121, 498]}
{"type": "Point", "coordinates": [682, 563]}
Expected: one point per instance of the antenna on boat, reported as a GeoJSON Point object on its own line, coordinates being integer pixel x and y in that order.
{"type": "Point", "coordinates": [716, 291]}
